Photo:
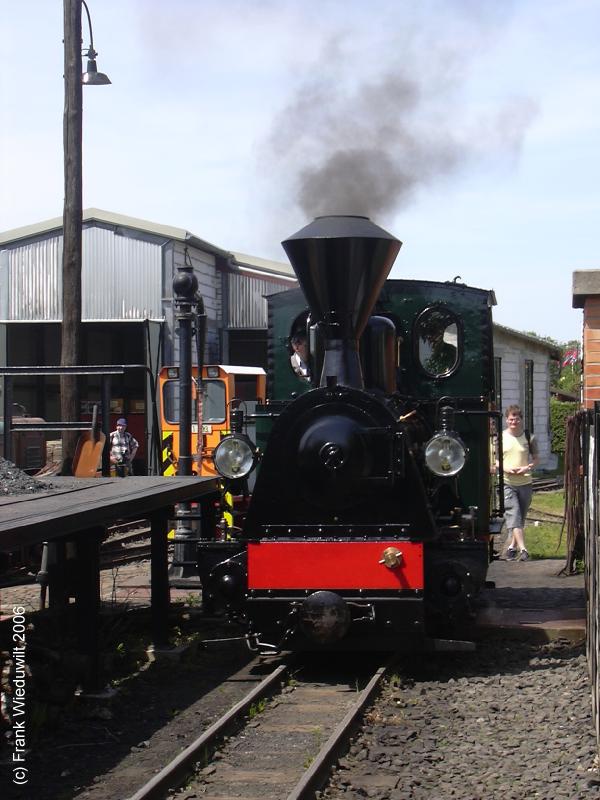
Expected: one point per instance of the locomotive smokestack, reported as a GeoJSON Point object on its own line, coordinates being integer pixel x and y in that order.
{"type": "Point", "coordinates": [341, 263]}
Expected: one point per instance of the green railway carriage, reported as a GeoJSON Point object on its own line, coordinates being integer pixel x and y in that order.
{"type": "Point", "coordinates": [467, 375]}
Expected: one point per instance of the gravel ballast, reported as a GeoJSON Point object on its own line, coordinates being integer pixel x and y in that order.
{"type": "Point", "coordinates": [509, 722]}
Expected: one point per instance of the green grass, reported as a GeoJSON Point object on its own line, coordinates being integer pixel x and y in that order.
{"type": "Point", "coordinates": [545, 541]}
{"type": "Point", "coordinates": [549, 502]}
{"type": "Point", "coordinates": [257, 708]}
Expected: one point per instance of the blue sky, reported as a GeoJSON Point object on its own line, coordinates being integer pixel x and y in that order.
{"type": "Point", "coordinates": [468, 128]}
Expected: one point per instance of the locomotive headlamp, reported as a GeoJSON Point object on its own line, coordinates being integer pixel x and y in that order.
{"type": "Point", "coordinates": [235, 456]}
{"type": "Point", "coordinates": [445, 454]}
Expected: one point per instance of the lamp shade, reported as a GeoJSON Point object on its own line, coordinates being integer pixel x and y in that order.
{"type": "Point", "coordinates": [91, 77]}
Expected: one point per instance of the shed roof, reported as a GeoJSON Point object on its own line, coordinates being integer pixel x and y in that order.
{"type": "Point", "coordinates": [110, 218]}
{"type": "Point", "coordinates": [553, 351]}
{"type": "Point", "coordinates": [239, 260]}
{"type": "Point", "coordinates": [264, 264]}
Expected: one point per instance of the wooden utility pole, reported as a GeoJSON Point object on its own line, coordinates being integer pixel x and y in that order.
{"type": "Point", "coordinates": [70, 354]}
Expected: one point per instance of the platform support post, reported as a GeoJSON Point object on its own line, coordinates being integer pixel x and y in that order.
{"type": "Point", "coordinates": [159, 576]}
{"type": "Point", "coordinates": [57, 574]}
{"type": "Point", "coordinates": [7, 414]}
{"type": "Point", "coordinates": [106, 425]}
{"type": "Point", "coordinates": [87, 602]}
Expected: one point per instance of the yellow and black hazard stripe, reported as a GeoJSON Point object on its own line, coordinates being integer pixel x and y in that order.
{"type": "Point", "coordinates": [227, 506]}
{"type": "Point", "coordinates": [168, 459]}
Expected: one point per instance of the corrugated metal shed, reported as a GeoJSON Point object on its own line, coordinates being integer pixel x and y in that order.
{"type": "Point", "coordinates": [30, 281]}
{"type": "Point", "coordinates": [246, 298]}
{"type": "Point", "coordinates": [127, 271]}
{"type": "Point", "coordinates": [120, 279]}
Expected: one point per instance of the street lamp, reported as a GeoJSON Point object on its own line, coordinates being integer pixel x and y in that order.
{"type": "Point", "coordinates": [70, 353]}
{"type": "Point", "coordinates": [91, 77]}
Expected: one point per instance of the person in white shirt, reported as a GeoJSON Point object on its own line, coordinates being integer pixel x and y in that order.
{"type": "Point", "coordinates": [299, 358]}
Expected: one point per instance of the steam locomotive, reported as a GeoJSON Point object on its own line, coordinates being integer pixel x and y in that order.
{"type": "Point", "coordinates": [374, 504]}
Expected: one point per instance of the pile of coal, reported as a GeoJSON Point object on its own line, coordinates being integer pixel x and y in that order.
{"type": "Point", "coordinates": [14, 481]}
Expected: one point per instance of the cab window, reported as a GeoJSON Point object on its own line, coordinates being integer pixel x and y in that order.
{"type": "Point", "coordinates": [437, 340]}
{"type": "Point", "coordinates": [213, 402]}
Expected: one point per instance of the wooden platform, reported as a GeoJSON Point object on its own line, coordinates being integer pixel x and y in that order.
{"type": "Point", "coordinates": [79, 504]}
{"type": "Point", "coordinates": [72, 517]}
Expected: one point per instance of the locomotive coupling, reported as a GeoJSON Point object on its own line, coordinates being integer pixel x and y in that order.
{"type": "Point", "coordinates": [391, 557]}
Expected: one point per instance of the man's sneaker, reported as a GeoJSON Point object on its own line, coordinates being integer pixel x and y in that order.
{"type": "Point", "coordinates": [511, 554]}
{"type": "Point", "coordinates": [524, 556]}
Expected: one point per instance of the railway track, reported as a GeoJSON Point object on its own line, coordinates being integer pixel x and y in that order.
{"type": "Point", "coordinates": [125, 543]}
{"type": "Point", "coordinates": [535, 515]}
{"type": "Point", "coordinates": [548, 484]}
{"type": "Point", "coordinates": [286, 748]}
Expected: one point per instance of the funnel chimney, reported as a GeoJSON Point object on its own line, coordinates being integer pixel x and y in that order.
{"type": "Point", "coordinates": [341, 263]}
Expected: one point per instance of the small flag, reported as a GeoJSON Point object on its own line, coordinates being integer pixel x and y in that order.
{"type": "Point", "coordinates": [570, 357]}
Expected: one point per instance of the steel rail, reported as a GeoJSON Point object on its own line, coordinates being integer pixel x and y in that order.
{"type": "Point", "coordinates": [112, 560]}
{"type": "Point", "coordinates": [534, 515]}
{"type": "Point", "coordinates": [182, 765]}
{"type": "Point", "coordinates": [318, 772]}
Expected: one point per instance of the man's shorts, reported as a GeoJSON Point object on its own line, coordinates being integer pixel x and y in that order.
{"type": "Point", "coordinates": [517, 500]}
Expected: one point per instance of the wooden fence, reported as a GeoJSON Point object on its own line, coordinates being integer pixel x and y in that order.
{"type": "Point", "coordinates": [584, 431]}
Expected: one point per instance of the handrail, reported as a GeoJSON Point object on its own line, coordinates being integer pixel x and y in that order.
{"type": "Point", "coordinates": [73, 370]}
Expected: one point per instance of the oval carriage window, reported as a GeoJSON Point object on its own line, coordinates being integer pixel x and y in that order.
{"type": "Point", "coordinates": [437, 341]}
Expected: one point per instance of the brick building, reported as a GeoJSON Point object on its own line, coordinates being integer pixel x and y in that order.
{"type": "Point", "coordinates": [586, 295]}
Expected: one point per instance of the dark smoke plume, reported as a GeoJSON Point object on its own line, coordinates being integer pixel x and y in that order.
{"type": "Point", "coordinates": [369, 149]}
